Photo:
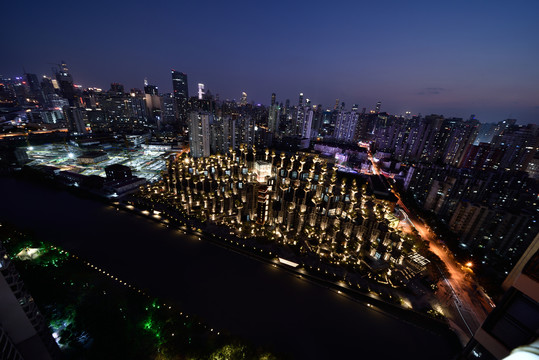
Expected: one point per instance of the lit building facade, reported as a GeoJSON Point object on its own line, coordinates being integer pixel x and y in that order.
{"type": "Point", "coordinates": [297, 200]}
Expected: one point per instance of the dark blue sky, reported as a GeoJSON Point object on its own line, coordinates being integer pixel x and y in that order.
{"type": "Point", "coordinates": [449, 57]}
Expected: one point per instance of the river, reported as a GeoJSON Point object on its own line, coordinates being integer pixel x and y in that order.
{"type": "Point", "coordinates": [229, 291]}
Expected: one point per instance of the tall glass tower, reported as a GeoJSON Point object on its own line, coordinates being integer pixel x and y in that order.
{"type": "Point", "coordinates": [181, 95]}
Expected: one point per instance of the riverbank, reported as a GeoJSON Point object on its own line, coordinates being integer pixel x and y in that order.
{"type": "Point", "coordinates": [228, 290]}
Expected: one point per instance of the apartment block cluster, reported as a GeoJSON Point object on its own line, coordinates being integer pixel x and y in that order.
{"type": "Point", "coordinates": [479, 179]}
{"type": "Point", "coordinates": [298, 200]}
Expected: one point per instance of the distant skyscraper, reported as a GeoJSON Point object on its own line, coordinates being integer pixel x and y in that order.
{"type": "Point", "coordinates": [273, 98]}
{"type": "Point", "coordinates": [65, 83]}
{"type": "Point", "coordinates": [378, 106]}
{"type": "Point", "coordinates": [181, 95]}
{"type": "Point", "coordinates": [300, 101]}
{"type": "Point", "coordinates": [179, 85]}
{"type": "Point", "coordinates": [168, 110]}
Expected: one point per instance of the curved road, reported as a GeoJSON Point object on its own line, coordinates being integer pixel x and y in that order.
{"type": "Point", "coordinates": [464, 302]}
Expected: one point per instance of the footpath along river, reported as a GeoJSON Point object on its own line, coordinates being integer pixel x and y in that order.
{"type": "Point", "coordinates": [229, 291]}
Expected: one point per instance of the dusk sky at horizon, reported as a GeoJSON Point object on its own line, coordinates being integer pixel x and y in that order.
{"type": "Point", "coordinates": [453, 58]}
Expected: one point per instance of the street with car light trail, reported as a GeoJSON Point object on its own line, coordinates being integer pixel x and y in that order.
{"type": "Point", "coordinates": [465, 303]}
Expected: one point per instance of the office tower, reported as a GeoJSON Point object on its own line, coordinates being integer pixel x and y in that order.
{"type": "Point", "coordinates": [378, 106]}
{"type": "Point", "coordinates": [336, 107]}
{"type": "Point", "coordinates": [168, 109]}
{"type": "Point", "coordinates": [65, 83]}
{"type": "Point", "coordinates": [180, 90]}
{"type": "Point", "coordinates": [23, 331]}
{"type": "Point", "coordinates": [300, 101]}
{"type": "Point", "coordinates": [199, 133]}
{"type": "Point", "coordinates": [273, 98]}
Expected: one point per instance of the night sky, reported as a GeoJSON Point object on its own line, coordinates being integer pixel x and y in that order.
{"type": "Point", "coordinates": [448, 57]}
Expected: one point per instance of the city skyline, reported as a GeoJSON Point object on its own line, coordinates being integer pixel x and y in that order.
{"type": "Point", "coordinates": [419, 57]}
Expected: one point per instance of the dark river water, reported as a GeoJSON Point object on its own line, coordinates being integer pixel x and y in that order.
{"type": "Point", "coordinates": [229, 291]}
